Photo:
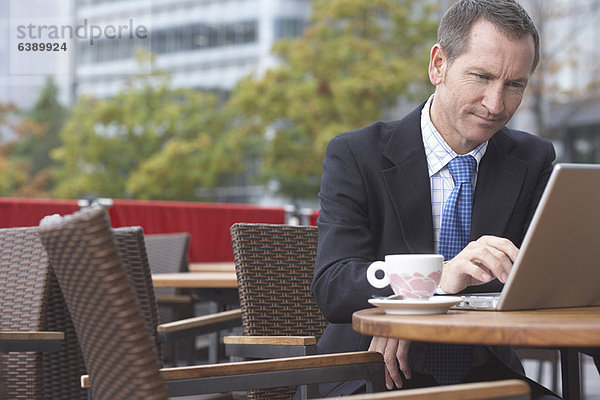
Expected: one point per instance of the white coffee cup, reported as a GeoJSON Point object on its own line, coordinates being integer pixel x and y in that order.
{"type": "Point", "coordinates": [414, 276]}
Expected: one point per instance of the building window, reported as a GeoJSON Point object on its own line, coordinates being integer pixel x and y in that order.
{"type": "Point", "coordinates": [172, 40]}
{"type": "Point", "coordinates": [199, 36]}
{"type": "Point", "coordinates": [289, 27]}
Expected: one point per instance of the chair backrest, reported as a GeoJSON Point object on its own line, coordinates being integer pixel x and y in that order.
{"type": "Point", "coordinates": [24, 277]}
{"type": "Point", "coordinates": [168, 252]}
{"type": "Point", "coordinates": [274, 266]}
{"type": "Point", "coordinates": [130, 243]}
{"type": "Point", "coordinates": [119, 354]}
{"type": "Point", "coordinates": [30, 299]}
{"type": "Point", "coordinates": [62, 370]}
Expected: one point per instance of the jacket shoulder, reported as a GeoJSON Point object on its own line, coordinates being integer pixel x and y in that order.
{"type": "Point", "coordinates": [525, 144]}
{"type": "Point", "coordinates": [377, 130]}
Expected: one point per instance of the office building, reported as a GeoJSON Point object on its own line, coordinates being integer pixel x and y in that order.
{"type": "Point", "coordinates": [203, 44]}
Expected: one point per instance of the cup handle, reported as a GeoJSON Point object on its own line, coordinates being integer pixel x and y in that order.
{"type": "Point", "coordinates": [378, 283]}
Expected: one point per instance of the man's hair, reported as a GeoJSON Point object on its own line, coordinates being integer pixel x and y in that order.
{"type": "Point", "coordinates": [507, 15]}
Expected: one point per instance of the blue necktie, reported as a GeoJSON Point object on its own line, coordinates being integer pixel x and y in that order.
{"type": "Point", "coordinates": [456, 216]}
{"type": "Point", "coordinates": [449, 363]}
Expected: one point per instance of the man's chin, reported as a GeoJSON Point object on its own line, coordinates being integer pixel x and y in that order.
{"type": "Point", "coordinates": [475, 137]}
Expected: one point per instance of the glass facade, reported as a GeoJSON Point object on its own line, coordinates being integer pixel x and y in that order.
{"type": "Point", "coordinates": [190, 37]}
{"type": "Point", "coordinates": [204, 44]}
{"type": "Point", "coordinates": [289, 27]}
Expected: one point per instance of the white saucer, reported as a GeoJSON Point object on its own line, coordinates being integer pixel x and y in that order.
{"type": "Point", "coordinates": [435, 305]}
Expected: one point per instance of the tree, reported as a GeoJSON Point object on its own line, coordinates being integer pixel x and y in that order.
{"type": "Point", "coordinates": [147, 142]}
{"type": "Point", "coordinates": [27, 137]}
{"type": "Point", "coordinates": [568, 70]}
{"type": "Point", "coordinates": [353, 62]}
{"type": "Point", "coordinates": [11, 172]}
{"type": "Point", "coordinates": [38, 133]}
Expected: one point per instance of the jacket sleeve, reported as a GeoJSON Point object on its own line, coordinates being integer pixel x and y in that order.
{"type": "Point", "coordinates": [346, 246]}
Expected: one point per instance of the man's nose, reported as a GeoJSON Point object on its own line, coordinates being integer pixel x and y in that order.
{"type": "Point", "coordinates": [493, 99]}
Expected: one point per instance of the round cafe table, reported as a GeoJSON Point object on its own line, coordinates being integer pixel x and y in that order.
{"type": "Point", "coordinates": [565, 328]}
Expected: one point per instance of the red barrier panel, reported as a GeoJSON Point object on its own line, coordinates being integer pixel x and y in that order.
{"type": "Point", "coordinates": [29, 212]}
{"type": "Point", "coordinates": [207, 223]}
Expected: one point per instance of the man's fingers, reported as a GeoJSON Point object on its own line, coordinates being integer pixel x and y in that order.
{"type": "Point", "coordinates": [492, 258]}
{"type": "Point", "coordinates": [480, 261]}
{"type": "Point", "coordinates": [379, 344]}
{"type": "Point", "coordinates": [402, 357]}
{"type": "Point", "coordinates": [502, 244]}
{"type": "Point", "coordinates": [391, 363]}
{"type": "Point", "coordinates": [395, 356]}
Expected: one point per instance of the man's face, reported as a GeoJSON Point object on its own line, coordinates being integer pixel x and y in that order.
{"type": "Point", "coordinates": [478, 93]}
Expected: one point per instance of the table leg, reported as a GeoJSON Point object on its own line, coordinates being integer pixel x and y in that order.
{"type": "Point", "coordinates": [219, 300]}
{"type": "Point", "coordinates": [569, 360]}
{"type": "Point", "coordinates": [214, 338]}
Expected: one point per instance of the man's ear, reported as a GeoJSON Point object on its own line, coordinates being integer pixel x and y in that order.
{"type": "Point", "coordinates": [437, 64]}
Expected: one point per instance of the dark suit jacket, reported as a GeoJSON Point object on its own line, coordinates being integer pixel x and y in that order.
{"type": "Point", "coordinates": [376, 200]}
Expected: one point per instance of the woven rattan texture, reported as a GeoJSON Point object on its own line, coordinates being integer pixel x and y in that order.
{"type": "Point", "coordinates": [168, 252]}
{"type": "Point", "coordinates": [23, 278]}
{"type": "Point", "coordinates": [132, 253]}
{"type": "Point", "coordinates": [61, 370]}
{"type": "Point", "coordinates": [275, 266]}
{"type": "Point", "coordinates": [117, 350]}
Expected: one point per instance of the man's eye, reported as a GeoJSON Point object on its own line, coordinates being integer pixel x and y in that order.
{"type": "Point", "coordinates": [481, 76]}
{"type": "Point", "coordinates": [516, 85]}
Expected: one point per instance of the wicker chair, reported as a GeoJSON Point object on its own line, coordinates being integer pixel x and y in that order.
{"type": "Point", "coordinates": [56, 375]}
{"type": "Point", "coordinates": [24, 280]}
{"type": "Point", "coordinates": [169, 253]}
{"type": "Point", "coordinates": [275, 262]}
{"type": "Point", "coordinates": [114, 341]}
{"type": "Point", "coordinates": [120, 355]}
{"type": "Point", "coordinates": [31, 300]}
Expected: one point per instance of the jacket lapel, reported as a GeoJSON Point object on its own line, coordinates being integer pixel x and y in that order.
{"type": "Point", "coordinates": [499, 182]}
{"type": "Point", "coordinates": [407, 183]}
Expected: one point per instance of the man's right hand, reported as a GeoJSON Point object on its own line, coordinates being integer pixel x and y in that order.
{"type": "Point", "coordinates": [395, 356]}
{"type": "Point", "coordinates": [479, 262]}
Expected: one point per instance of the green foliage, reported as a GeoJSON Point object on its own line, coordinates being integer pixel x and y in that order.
{"type": "Point", "coordinates": [150, 141]}
{"type": "Point", "coordinates": [147, 142]}
{"type": "Point", "coordinates": [51, 114]}
{"type": "Point", "coordinates": [25, 167]}
{"type": "Point", "coordinates": [353, 62]}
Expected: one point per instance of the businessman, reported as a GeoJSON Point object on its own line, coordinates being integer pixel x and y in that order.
{"type": "Point", "coordinates": [449, 177]}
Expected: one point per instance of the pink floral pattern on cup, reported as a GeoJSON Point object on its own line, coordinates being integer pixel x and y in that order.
{"type": "Point", "coordinates": [416, 285]}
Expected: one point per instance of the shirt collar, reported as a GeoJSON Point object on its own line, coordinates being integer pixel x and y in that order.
{"type": "Point", "coordinates": [437, 151]}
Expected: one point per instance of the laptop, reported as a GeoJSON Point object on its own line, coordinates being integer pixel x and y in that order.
{"type": "Point", "coordinates": [559, 261]}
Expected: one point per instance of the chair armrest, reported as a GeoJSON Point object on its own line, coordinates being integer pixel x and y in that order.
{"type": "Point", "coordinates": [46, 341]}
{"type": "Point", "coordinates": [175, 299]}
{"type": "Point", "coordinates": [270, 346]}
{"type": "Point", "coordinates": [225, 377]}
{"type": "Point", "coordinates": [505, 389]}
{"type": "Point", "coordinates": [538, 353]}
{"type": "Point", "coordinates": [199, 325]}
{"type": "Point", "coordinates": [275, 340]}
